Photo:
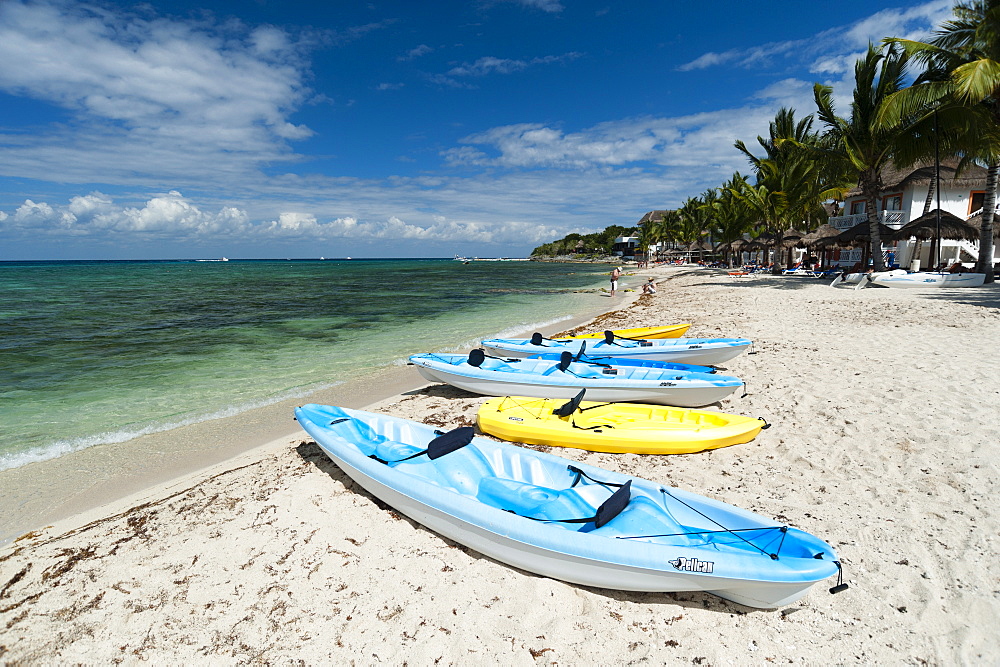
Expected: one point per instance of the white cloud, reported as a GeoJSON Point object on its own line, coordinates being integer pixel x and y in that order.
{"type": "Point", "coordinates": [704, 140]}
{"type": "Point", "coordinates": [416, 52]}
{"type": "Point", "coordinates": [173, 216]}
{"type": "Point", "coordinates": [551, 6]}
{"type": "Point", "coordinates": [492, 65]}
{"type": "Point", "coordinates": [835, 48]}
{"type": "Point", "coordinates": [140, 87]}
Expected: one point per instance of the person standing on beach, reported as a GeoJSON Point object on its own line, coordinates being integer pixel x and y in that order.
{"type": "Point", "coordinates": [616, 273]}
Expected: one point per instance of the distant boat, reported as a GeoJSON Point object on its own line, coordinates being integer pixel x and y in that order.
{"type": "Point", "coordinates": [224, 259]}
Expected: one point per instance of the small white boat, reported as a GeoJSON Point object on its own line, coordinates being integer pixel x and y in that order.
{"type": "Point", "coordinates": [567, 520]}
{"type": "Point", "coordinates": [930, 279]}
{"type": "Point", "coordinates": [547, 378]}
{"type": "Point", "coordinates": [704, 351]}
{"type": "Point", "coordinates": [862, 280]}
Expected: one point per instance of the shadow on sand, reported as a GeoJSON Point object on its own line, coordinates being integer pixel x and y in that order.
{"type": "Point", "coordinates": [311, 453]}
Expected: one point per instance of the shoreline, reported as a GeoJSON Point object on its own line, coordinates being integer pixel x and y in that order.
{"type": "Point", "coordinates": [52, 491]}
{"type": "Point", "coordinates": [881, 444]}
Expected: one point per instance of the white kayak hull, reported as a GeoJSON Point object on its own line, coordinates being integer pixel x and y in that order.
{"type": "Point", "coordinates": [930, 280]}
{"type": "Point", "coordinates": [685, 397]}
{"type": "Point", "coordinates": [701, 351]}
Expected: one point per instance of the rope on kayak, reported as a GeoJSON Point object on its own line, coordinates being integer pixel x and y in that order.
{"type": "Point", "coordinates": [783, 529]}
{"type": "Point", "coordinates": [591, 428]}
{"type": "Point", "coordinates": [608, 510]}
{"type": "Point", "coordinates": [723, 529]}
{"type": "Point", "coordinates": [515, 404]}
{"type": "Point", "coordinates": [537, 338]}
{"type": "Point", "coordinates": [841, 586]}
{"type": "Point", "coordinates": [580, 475]}
{"type": "Point", "coordinates": [445, 443]}
{"type": "Point", "coordinates": [609, 338]}
{"type": "Point", "coordinates": [478, 356]}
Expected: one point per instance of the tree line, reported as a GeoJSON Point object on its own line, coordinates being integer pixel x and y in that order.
{"type": "Point", "coordinates": [951, 109]}
{"type": "Point", "coordinates": [596, 244]}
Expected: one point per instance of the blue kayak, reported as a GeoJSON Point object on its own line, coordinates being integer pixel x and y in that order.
{"type": "Point", "coordinates": [704, 351]}
{"type": "Point", "coordinates": [625, 361]}
{"type": "Point", "coordinates": [549, 378]}
{"type": "Point", "coordinates": [568, 520]}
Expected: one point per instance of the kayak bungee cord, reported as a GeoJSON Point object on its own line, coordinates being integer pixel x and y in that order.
{"type": "Point", "coordinates": [783, 529]}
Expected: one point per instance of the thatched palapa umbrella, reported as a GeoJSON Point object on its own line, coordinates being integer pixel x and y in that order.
{"type": "Point", "coordinates": [824, 231]}
{"type": "Point", "coordinates": [925, 227]}
{"type": "Point", "coordinates": [977, 222]}
{"type": "Point", "coordinates": [857, 236]}
{"type": "Point", "coordinates": [813, 239]}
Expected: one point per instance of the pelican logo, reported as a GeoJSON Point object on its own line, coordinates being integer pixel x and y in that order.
{"type": "Point", "coordinates": [515, 419]}
{"type": "Point", "coordinates": [668, 384]}
{"type": "Point", "coordinates": [693, 347]}
{"type": "Point", "coordinates": [693, 565]}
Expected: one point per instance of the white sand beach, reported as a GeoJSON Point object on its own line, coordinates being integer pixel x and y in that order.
{"type": "Point", "coordinates": [883, 405]}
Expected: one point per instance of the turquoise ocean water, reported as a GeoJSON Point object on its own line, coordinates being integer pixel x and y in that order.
{"type": "Point", "coordinates": [100, 352]}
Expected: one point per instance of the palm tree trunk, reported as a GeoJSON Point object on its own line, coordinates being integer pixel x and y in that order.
{"type": "Point", "coordinates": [930, 196]}
{"type": "Point", "coordinates": [985, 263]}
{"type": "Point", "coordinates": [870, 186]}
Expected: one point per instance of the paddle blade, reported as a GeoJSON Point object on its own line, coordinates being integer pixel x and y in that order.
{"type": "Point", "coordinates": [614, 505]}
{"type": "Point", "coordinates": [477, 357]}
{"type": "Point", "coordinates": [570, 406]}
{"type": "Point", "coordinates": [449, 442]}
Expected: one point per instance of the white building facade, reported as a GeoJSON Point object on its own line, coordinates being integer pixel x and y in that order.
{"type": "Point", "coordinates": [904, 198]}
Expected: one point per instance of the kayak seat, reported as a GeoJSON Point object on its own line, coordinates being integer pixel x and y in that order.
{"type": "Point", "coordinates": [541, 502]}
{"type": "Point", "coordinates": [643, 516]}
{"type": "Point", "coordinates": [460, 470]}
{"type": "Point", "coordinates": [393, 450]}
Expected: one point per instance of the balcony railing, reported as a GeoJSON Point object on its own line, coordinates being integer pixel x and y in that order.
{"type": "Point", "coordinates": [894, 219]}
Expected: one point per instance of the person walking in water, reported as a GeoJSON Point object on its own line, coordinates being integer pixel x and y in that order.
{"type": "Point", "coordinates": [616, 273]}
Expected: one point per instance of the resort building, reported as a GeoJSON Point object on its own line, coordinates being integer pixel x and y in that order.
{"type": "Point", "coordinates": [908, 194]}
{"type": "Point", "coordinates": [625, 247]}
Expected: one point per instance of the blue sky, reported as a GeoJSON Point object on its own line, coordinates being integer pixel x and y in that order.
{"type": "Point", "coordinates": [285, 128]}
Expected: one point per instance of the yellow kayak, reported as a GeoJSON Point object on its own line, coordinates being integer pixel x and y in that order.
{"type": "Point", "coordinates": [671, 331]}
{"type": "Point", "coordinates": [636, 428]}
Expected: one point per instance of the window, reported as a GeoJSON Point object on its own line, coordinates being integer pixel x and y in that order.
{"type": "Point", "coordinates": [976, 201]}
{"type": "Point", "coordinates": [892, 203]}
{"type": "Point", "coordinates": [857, 207]}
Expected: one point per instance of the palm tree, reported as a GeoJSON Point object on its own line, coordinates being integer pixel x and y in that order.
{"type": "Point", "coordinates": [766, 201]}
{"type": "Point", "coordinates": [730, 220]}
{"type": "Point", "coordinates": [665, 229]}
{"type": "Point", "coordinates": [647, 238]}
{"type": "Point", "coordinates": [861, 143]}
{"type": "Point", "coordinates": [692, 224]}
{"type": "Point", "coordinates": [792, 180]}
{"type": "Point", "coordinates": [963, 67]}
